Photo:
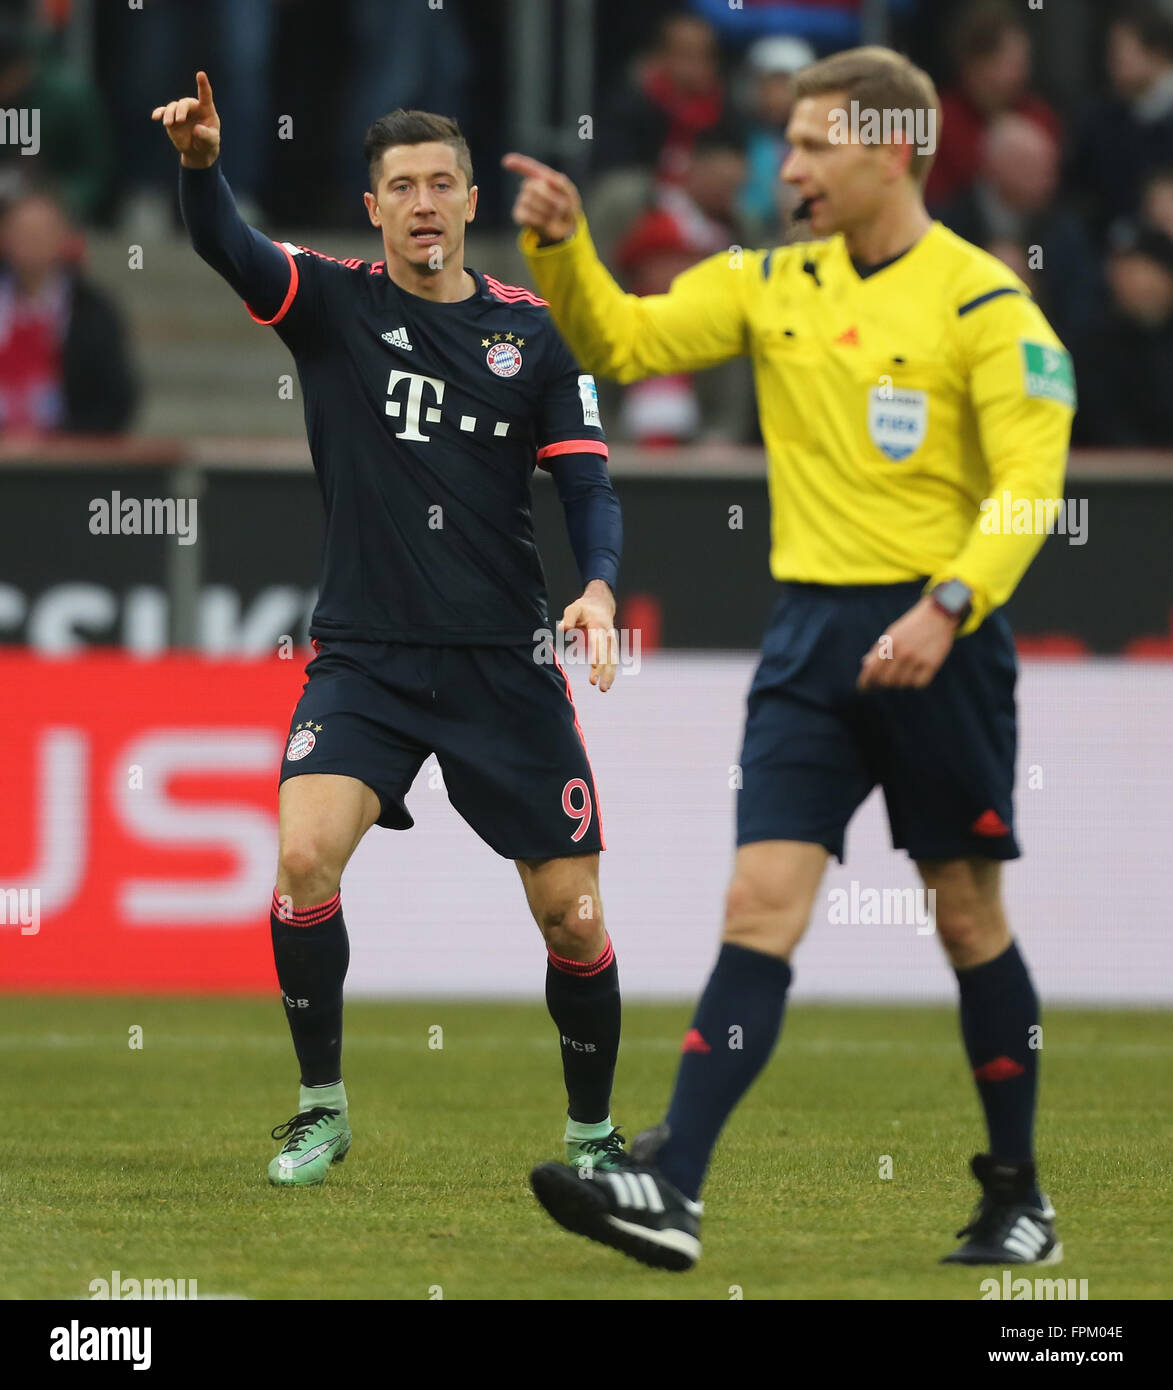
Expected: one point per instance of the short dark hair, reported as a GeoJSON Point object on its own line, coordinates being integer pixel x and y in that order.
{"type": "Point", "coordinates": [675, 20]}
{"type": "Point", "coordinates": [414, 128]}
{"type": "Point", "coordinates": [983, 29]}
{"type": "Point", "coordinates": [17, 187]}
{"type": "Point", "coordinates": [723, 138]}
{"type": "Point", "coordinates": [1150, 22]}
{"type": "Point", "coordinates": [1153, 245]}
{"type": "Point", "coordinates": [16, 39]}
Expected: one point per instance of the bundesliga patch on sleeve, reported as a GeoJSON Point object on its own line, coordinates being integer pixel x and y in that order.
{"type": "Point", "coordinates": [588, 393]}
{"type": "Point", "coordinates": [1047, 372]}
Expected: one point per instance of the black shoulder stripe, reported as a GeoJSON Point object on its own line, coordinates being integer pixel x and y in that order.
{"type": "Point", "coordinates": [985, 299]}
{"type": "Point", "coordinates": [766, 265]}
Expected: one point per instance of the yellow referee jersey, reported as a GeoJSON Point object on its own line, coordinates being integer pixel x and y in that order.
{"type": "Point", "coordinates": [892, 406]}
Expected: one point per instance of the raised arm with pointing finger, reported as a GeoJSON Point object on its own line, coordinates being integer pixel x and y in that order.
{"type": "Point", "coordinates": [911, 394]}
{"type": "Point", "coordinates": [254, 266]}
{"type": "Point", "coordinates": [698, 323]}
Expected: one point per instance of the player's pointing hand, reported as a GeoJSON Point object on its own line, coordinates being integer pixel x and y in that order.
{"type": "Point", "coordinates": [193, 126]}
{"type": "Point", "coordinates": [547, 201]}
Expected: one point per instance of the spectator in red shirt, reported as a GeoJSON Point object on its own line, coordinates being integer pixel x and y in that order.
{"type": "Point", "coordinates": [690, 221]}
{"type": "Point", "coordinates": [992, 57]}
{"type": "Point", "coordinates": [677, 93]}
{"type": "Point", "coordinates": [63, 358]}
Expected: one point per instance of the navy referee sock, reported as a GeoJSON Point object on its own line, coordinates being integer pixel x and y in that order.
{"type": "Point", "coordinates": [999, 1010]}
{"type": "Point", "coordinates": [733, 1033]}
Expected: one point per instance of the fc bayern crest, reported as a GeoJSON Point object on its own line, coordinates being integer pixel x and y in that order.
{"type": "Point", "coordinates": [503, 359]}
{"type": "Point", "coordinates": [300, 745]}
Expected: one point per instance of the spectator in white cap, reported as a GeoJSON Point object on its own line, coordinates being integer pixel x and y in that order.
{"type": "Point", "coordinates": [770, 65]}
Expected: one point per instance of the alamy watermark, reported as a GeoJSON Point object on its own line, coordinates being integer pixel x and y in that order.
{"type": "Point", "coordinates": [867, 125]}
{"type": "Point", "coordinates": [116, 1287]}
{"type": "Point", "coordinates": [856, 906]}
{"type": "Point", "coordinates": [1008, 515]}
{"type": "Point", "coordinates": [83, 1343]}
{"type": "Point", "coordinates": [148, 516]}
{"type": "Point", "coordinates": [1009, 1287]}
{"type": "Point", "coordinates": [578, 647]}
{"type": "Point", "coordinates": [21, 907]}
{"type": "Point", "coordinates": [21, 126]}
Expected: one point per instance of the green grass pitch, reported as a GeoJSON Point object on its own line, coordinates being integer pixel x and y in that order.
{"type": "Point", "coordinates": [152, 1161]}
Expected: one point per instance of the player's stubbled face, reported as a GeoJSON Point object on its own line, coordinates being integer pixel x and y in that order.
{"type": "Point", "coordinates": [843, 183]}
{"type": "Point", "coordinates": [422, 203]}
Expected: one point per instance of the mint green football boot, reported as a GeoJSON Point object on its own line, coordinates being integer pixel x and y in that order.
{"type": "Point", "coordinates": [314, 1139]}
{"type": "Point", "coordinates": [604, 1154]}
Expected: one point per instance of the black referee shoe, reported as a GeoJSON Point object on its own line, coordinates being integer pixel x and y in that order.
{"type": "Point", "coordinates": [633, 1208]}
{"type": "Point", "coordinates": [1008, 1227]}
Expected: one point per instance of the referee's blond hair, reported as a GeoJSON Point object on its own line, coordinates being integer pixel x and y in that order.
{"type": "Point", "coordinates": [879, 79]}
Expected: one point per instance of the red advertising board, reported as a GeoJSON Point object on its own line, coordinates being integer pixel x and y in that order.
{"type": "Point", "coordinates": [138, 821]}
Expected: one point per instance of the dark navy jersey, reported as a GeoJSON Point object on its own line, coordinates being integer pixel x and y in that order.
{"type": "Point", "coordinates": [425, 422]}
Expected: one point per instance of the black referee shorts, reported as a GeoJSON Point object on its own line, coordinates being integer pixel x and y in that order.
{"type": "Point", "coordinates": [815, 746]}
{"type": "Point", "coordinates": [501, 724]}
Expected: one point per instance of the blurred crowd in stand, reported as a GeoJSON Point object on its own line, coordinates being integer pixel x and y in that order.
{"type": "Point", "coordinates": [1055, 154]}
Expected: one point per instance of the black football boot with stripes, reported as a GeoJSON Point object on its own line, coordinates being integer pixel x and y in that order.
{"type": "Point", "coordinates": [1009, 1226]}
{"type": "Point", "coordinates": [632, 1208]}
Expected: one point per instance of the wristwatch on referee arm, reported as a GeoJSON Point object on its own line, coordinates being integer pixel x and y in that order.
{"type": "Point", "coordinates": [954, 598]}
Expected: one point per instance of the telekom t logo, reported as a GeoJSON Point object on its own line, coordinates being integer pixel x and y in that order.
{"type": "Point", "coordinates": [415, 403]}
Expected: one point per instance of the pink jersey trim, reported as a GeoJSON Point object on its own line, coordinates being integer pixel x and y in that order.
{"type": "Point", "coordinates": [573, 446]}
{"type": "Point", "coordinates": [582, 740]}
{"type": "Point", "coordinates": [513, 294]}
{"type": "Point", "coordinates": [290, 294]}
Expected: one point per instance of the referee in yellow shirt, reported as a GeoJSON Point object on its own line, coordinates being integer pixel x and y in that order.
{"type": "Point", "coordinates": [911, 393]}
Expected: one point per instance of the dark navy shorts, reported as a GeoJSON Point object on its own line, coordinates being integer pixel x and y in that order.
{"type": "Point", "coordinates": [815, 746]}
{"type": "Point", "coordinates": [502, 727]}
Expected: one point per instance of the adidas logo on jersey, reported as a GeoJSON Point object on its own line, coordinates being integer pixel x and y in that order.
{"type": "Point", "coordinates": [398, 338]}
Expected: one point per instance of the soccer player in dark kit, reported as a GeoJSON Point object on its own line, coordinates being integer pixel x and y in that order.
{"type": "Point", "coordinates": [430, 393]}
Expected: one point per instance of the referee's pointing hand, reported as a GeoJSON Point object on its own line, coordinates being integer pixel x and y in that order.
{"type": "Point", "coordinates": [547, 201]}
